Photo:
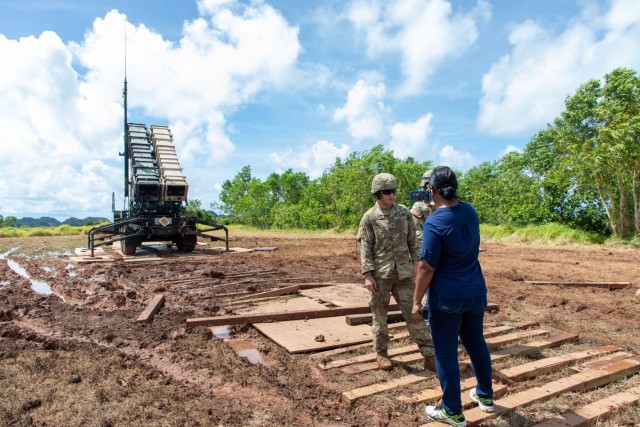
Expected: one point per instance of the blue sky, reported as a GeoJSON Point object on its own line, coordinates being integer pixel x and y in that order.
{"type": "Point", "coordinates": [283, 84]}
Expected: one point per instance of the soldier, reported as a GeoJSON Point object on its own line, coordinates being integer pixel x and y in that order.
{"type": "Point", "coordinates": [421, 210]}
{"type": "Point", "coordinates": [389, 255]}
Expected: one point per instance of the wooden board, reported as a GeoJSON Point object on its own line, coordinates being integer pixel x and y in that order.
{"type": "Point", "coordinates": [607, 285]}
{"type": "Point", "coordinates": [346, 349]}
{"type": "Point", "coordinates": [151, 309]}
{"type": "Point", "coordinates": [352, 395]}
{"type": "Point", "coordinates": [344, 295]}
{"type": "Point", "coordinates": [261, 317]}
{"type": "Point", "coordinates": [369, 357]}
{"type": "Point", "coordinates": [359, 319]}
{"type": "Point", "coordinates": [88, 259]}
{"type": "Point", "coordinates": [273, 292]}
{"type": "Point", "coordinates": [502, 340]}
{"type": "Point", "coordinates": [231, 250]}
{"type": "Point", "coordinates": [582, 381]}
{"type": "Point", "coordinates": [299, 336]}
{"type": "Point", "coordinates": [549, 364]}
{"type": "Point", "coordinates": [594, 412]}
{"type": "Point", "coordinates": [283, 306]}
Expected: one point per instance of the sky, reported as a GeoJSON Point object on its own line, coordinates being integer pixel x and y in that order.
{"type": "Point", "coordinates": [283, 84]}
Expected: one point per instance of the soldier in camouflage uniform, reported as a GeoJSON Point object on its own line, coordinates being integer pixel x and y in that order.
{"type": "Point", "coordinates": [421, 210]}
{"type": "Point", "coordinates": [389, 255]}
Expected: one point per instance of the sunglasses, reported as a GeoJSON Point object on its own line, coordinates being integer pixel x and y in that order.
{"type": "Point", "coordinates": [387, 192]}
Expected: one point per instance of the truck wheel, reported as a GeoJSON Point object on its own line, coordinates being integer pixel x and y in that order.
{"type": "Point", "coordinates": [187, 243]}
{"type": "Point", "coordinates": [128, 246]}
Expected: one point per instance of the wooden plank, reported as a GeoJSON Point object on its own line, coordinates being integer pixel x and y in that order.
{"type": "Point", "coordinates": [346, 349]}
{"type": "Point", "coordinates": [369, 357]}
{"type": "Point", "coordinates": [312, 285]}
{"type": "Point", "coordinates": [151, 309]}
{"type": "Point", "coordinates": [502, 340]}
{"type": "Point", "coordinates": [344, 295]}
{"type": "Point", "coordinates": [271, 317]}
{"type": "Point", "coordinates": [434, 394]}
{"type": "Point", "coordinates": [549, 364]}
{"type": "Point", "coordinates": [595, 412]}
{"type": "Point", "coordinates": [298, 336]}
{"type": "Point", "coordinates": [499, 330]}
{"type": "Point", "coordinates": [508, 352]}
{"type": "Point", "coordinates": [359, 319]}
{"type": "Point", "coordinates": [280, 305]}
{"type": "Point", "coordinates": [532, 347]}
{"type": "Point", "coordinates": [406, 359]}
{"type": "Point", "coordinates": [578, 382]}
{"type": "Point", "coordinates": [352, 395]}
{"type": "Point", "coordinates": [595, 364]}
{"type": "Point", "coordinates": [252, 302]}
{"type": "Point", "coordinates": [608, 285]}
{"type": "Point", "coordinates": [274, 292]}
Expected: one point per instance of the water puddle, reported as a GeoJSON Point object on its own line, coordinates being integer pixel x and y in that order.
{"type": "Point", "coordinates": [221, 332]}
{"type": "Point", "coordinates": [70, 271]}
{"type": "Point", "coordinates": [242, 348]}
{"type": "Point", "coordinates": [37, 285]}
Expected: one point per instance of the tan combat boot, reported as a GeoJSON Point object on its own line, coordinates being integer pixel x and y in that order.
{"type": "Point", "coordinates": [383, 360]}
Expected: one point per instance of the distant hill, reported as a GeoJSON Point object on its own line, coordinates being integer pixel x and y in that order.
{"type": "Point", "coordinates": [46, 221]}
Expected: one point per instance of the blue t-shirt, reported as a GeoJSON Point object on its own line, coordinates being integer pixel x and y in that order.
{"type": "Point", "coordinates": [451, 243]}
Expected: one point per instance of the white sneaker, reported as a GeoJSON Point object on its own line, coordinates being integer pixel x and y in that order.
{"type": "Point", "coordinates": [438, 413]}
{"type": "Point", "coordinates": [485, 403]}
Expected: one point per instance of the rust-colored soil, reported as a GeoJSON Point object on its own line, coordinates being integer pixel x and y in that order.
{"type": "Point", "coordinates": [80, 358]}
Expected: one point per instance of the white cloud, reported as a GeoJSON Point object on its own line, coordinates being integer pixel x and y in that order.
{"type": "Point", "coordinates": [364, 111]}
{"type": "Point", "coordinates": [456, 159]}
{"type": "Point", "coordinates": [509, 149]}
{"type": "Point", "coordinates": [61, 109]}
{"type": "Point", "coordinates": [526, 89]}
{"type": "Point", "coordinates": [313, 161]}
{"type": "Point", "coordinates": [412, 138]}
{"type": "Point", "coordinates": [424, 33]}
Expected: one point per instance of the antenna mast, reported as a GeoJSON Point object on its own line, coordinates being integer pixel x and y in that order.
{"type": "Point", "coordinates": [126, 123]}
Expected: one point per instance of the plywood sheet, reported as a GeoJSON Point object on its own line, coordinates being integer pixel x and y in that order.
{"type": "Point", "coordinates": [283, 305]}
{"type": "Point", "coordinates": [298, 336]}
{"type": "Point", "coordinates": [343, 295]}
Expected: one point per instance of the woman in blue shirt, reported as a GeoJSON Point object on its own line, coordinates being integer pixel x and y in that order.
{"type": "Point", "coordinates": [457, 296]}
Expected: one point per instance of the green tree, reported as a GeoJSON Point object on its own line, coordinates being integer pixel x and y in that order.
{"type": "Point", "coordinates": [194, 209]}
{"type": "Point", "coordinates": [503, 192]}
{"type": "Point", "coordinates": [8, 221]}
{"type": "Point", "coordinates": [593, 148]}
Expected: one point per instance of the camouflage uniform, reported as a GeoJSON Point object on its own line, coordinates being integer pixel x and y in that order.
{"type": "Point", "coordinates": [388, 250]}
{"type": "Point", "coordinates": [420, 211]}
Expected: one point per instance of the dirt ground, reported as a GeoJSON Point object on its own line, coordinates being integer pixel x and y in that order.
{"type": "Point", "coordinates": [78, 358]}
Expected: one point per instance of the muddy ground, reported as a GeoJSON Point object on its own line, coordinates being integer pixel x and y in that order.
{"type": "Point", "coordinates": [77, 357]}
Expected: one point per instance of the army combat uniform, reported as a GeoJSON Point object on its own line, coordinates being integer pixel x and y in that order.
{"type": "Point", "coordinates": [420, 211]}
{"type": "Point", "coordinates": [388, 249]}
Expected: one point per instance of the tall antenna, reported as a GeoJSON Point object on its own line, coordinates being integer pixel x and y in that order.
{"type": "Point", "coordinates": [126, 123]}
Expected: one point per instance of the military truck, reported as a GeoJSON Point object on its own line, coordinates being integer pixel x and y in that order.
{"type": "Point", "coordinates": [155, 191]}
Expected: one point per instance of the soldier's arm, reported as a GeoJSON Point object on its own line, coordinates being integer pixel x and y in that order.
{"type": "Point", "coordinates": [367, 243]}
{"type": "Point", "coordinates": [412, 241]}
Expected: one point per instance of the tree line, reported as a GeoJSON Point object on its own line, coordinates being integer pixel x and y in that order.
{"type": "Point", "coordinates": [582, 170]}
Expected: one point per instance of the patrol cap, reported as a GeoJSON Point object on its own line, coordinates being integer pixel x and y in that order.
{"type": "Point", "coordinates": [383, 181]}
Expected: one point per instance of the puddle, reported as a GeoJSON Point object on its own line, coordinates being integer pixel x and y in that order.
{"type": "Point", "coordinates": [70, 271]}
{"type": "Point", "coordinates": [247, 350]}
{"type": "Point", "coordinates": [37, 285]}
{"type": "Point", "coordinates": [221, 332]}
{"type": "Point", "coordinates": [242, 348]}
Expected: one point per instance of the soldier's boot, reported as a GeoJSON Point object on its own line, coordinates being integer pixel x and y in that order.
{"type": "Point", "coordinates": [383, 360]}
{"type": "Point", "coordinates": [429, 358]}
